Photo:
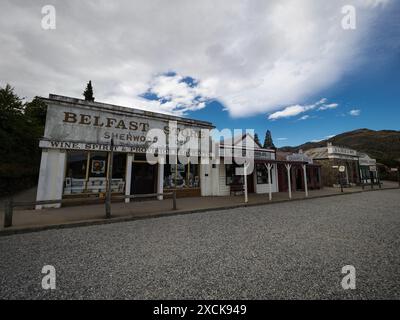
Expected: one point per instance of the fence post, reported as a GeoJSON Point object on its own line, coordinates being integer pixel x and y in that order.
{"type": "Point", "coordinates": [174, 200]}
{"type": "Point", "coordinates": [8, 213]}
{"type": "Point", "coordinates": [398, 175]}
{"type": "Point", "coordinates": [109, 178]}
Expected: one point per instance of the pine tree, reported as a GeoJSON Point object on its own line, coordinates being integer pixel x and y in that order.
{"type": "Point", "coordinates": [268, 143]}
{"type": "Point", "coordinates": [256, 139]}
{"type": "Point", "coordinates": [88, 93]}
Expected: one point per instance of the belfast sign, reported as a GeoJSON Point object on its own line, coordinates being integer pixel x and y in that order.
{"type": "Point", "coordinates": [98, 127]}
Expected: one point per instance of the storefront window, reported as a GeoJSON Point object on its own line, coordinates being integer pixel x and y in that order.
{"type": "Point", "coordinates": [118, 172]}
{"type": "Point", "coordinates": [77, 165]}
{"type": "Point", "coordinates": [262, 174]}
{"type": "Point", "coordinates": [178, 176]}
{"type": "Point", "coordinates": [87, 172]}
{"type": "Point", "coordinates": [230, 176]}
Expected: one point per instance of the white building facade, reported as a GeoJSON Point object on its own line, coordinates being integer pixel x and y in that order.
{"type": "Point", "coordinates": [76, 152]}
{"type": "Point", "coordinates": [79, 136]}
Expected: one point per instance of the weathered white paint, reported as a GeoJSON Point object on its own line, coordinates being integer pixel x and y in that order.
{"type": "Point", "coordinates": [215, 170]}
{"type": "Point", "coordinates": [246, 199]}
{"type": "Point", "coordinates": [224, 190]}
{"type": "Point", "coordinates": [265, 187]}
{"type": "Point", "coordinates": [51, 177]}
{"type": "Point", "coordinates": [128, 175]}
{"type": "Point", "coordinates": [74, 120]}
{"type": "Point", "coordinates": [305, 179]}
{"type": "Point", "coordinates": [269, 166]}
{"type": "Point", "coordinates": [288, 166]}
{"type": "Point", "coordinates": [206, 179]}
{"type": "Point", "coordinates": [160, 180]}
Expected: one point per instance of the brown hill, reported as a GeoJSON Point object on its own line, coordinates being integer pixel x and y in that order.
{"type": "Point", "coordinates": [383, 145]}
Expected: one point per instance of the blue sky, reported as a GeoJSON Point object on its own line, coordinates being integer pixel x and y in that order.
{"type": "Point", "coordinates": [374, 90]}
{"type": "Point", "coordinates": [372, 87]}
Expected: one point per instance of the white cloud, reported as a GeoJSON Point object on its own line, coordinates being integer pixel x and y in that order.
{"type": "Point", "coordinates": [281, 139]}
{"type": "Point", "coordinates": [295, 110]}
{"type": "Point", "coordinates": [305, 117]}
{"type": "Point", "coordinates": [252, 56]}
{"type": "Point", "coordinates": [328, 106]}
{"type": "Point", "coordinates": [176, 95]}
{"type": "Point", "coordinates": [288, 112]}
{"type": "Point", "coordinates": [355, 112]}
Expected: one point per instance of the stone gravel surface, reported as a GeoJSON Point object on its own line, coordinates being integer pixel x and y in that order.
{"type": "Point", "coordinates": [292, 250]}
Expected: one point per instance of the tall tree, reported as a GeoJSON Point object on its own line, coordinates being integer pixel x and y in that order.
{"type": "Point", "coordinates": [268, 143]}
{"type": "Point", "coordinates": [256, 139]}
{"type": "Point", "coordinates": [20, 131]}
{"type": "Point", "coordinates": [88, 93]}
{"type": "Point", "coordinates": [35, 111]}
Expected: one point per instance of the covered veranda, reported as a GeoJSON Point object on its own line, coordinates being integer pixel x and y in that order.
{"type": "Point", "coordinates": [287, 178]}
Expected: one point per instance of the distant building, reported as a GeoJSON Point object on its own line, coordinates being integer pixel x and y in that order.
{"type": "Point", "coordinates": [331, 158]}
{"type": "Point", "coordinates": [358, 167]}
{"type": "Point", "coordinates": [297, 173]}
{"type": "Point", "coordinates": [368, 169]}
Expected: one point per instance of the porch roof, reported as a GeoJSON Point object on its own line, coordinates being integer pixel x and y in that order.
{"type": "Point", "coordinates": [286, 162]}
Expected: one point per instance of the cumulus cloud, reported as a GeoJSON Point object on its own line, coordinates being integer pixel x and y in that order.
{"type": "Point", "coordinates": [355, 112]}
{"type": "Point", "coordinates": [252, 56]}
{"type": "Point", "coordinates": [176, 94]}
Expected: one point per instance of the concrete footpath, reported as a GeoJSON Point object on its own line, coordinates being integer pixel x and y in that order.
{"type": "Point", "coordinates": [28, 220]}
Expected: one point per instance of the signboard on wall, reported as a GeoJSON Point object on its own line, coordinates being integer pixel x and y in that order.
{"type": "Point", "coordinates": [68, 145]}
{"type": "Point", "coordinates": [94, 125]}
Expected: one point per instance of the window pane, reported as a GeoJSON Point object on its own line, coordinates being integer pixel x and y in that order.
{"type": "Point", "coordinates": [76, 172]}
{"type": "Point", "coordinates": [181, 175]}
{"type": "Point", "coordinates": [97, 172]}
{"type": "Point", "coordinates": [76, 164]}
{"type": "Point", "coordinates": [169, 177]}
{"type": "Point", "coordinates": [194, 177]}
{"type": "Point", "coordinates": [118, 173]}
{"type": "Point", "coordinates": [231, 178]}
{"type": "Point", "coordinates": [262, 174]}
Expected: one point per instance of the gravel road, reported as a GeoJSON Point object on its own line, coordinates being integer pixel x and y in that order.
{"type": "Point", "coordinates": [280, 251]}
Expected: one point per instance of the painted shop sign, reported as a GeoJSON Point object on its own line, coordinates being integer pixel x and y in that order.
{"type": "Point", "coordinates": [299, 157]}
{"type": "Point", "coordinates": [74, 124]}
{"type": "Point", "coordinates": [342, 151]}
{"type": "Point", "coordinates": [53, 144]}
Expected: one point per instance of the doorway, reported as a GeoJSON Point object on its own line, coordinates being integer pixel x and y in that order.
{"type": "Point", "coordinates": [299, 179]}
{"type": "Point", "coordinates": [143, 178]}
{"type": "Point", "coordinates": [250, 183]}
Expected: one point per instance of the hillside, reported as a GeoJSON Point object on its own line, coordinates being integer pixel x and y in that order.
{"type": "Point", "coordinates": [383, 145]}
